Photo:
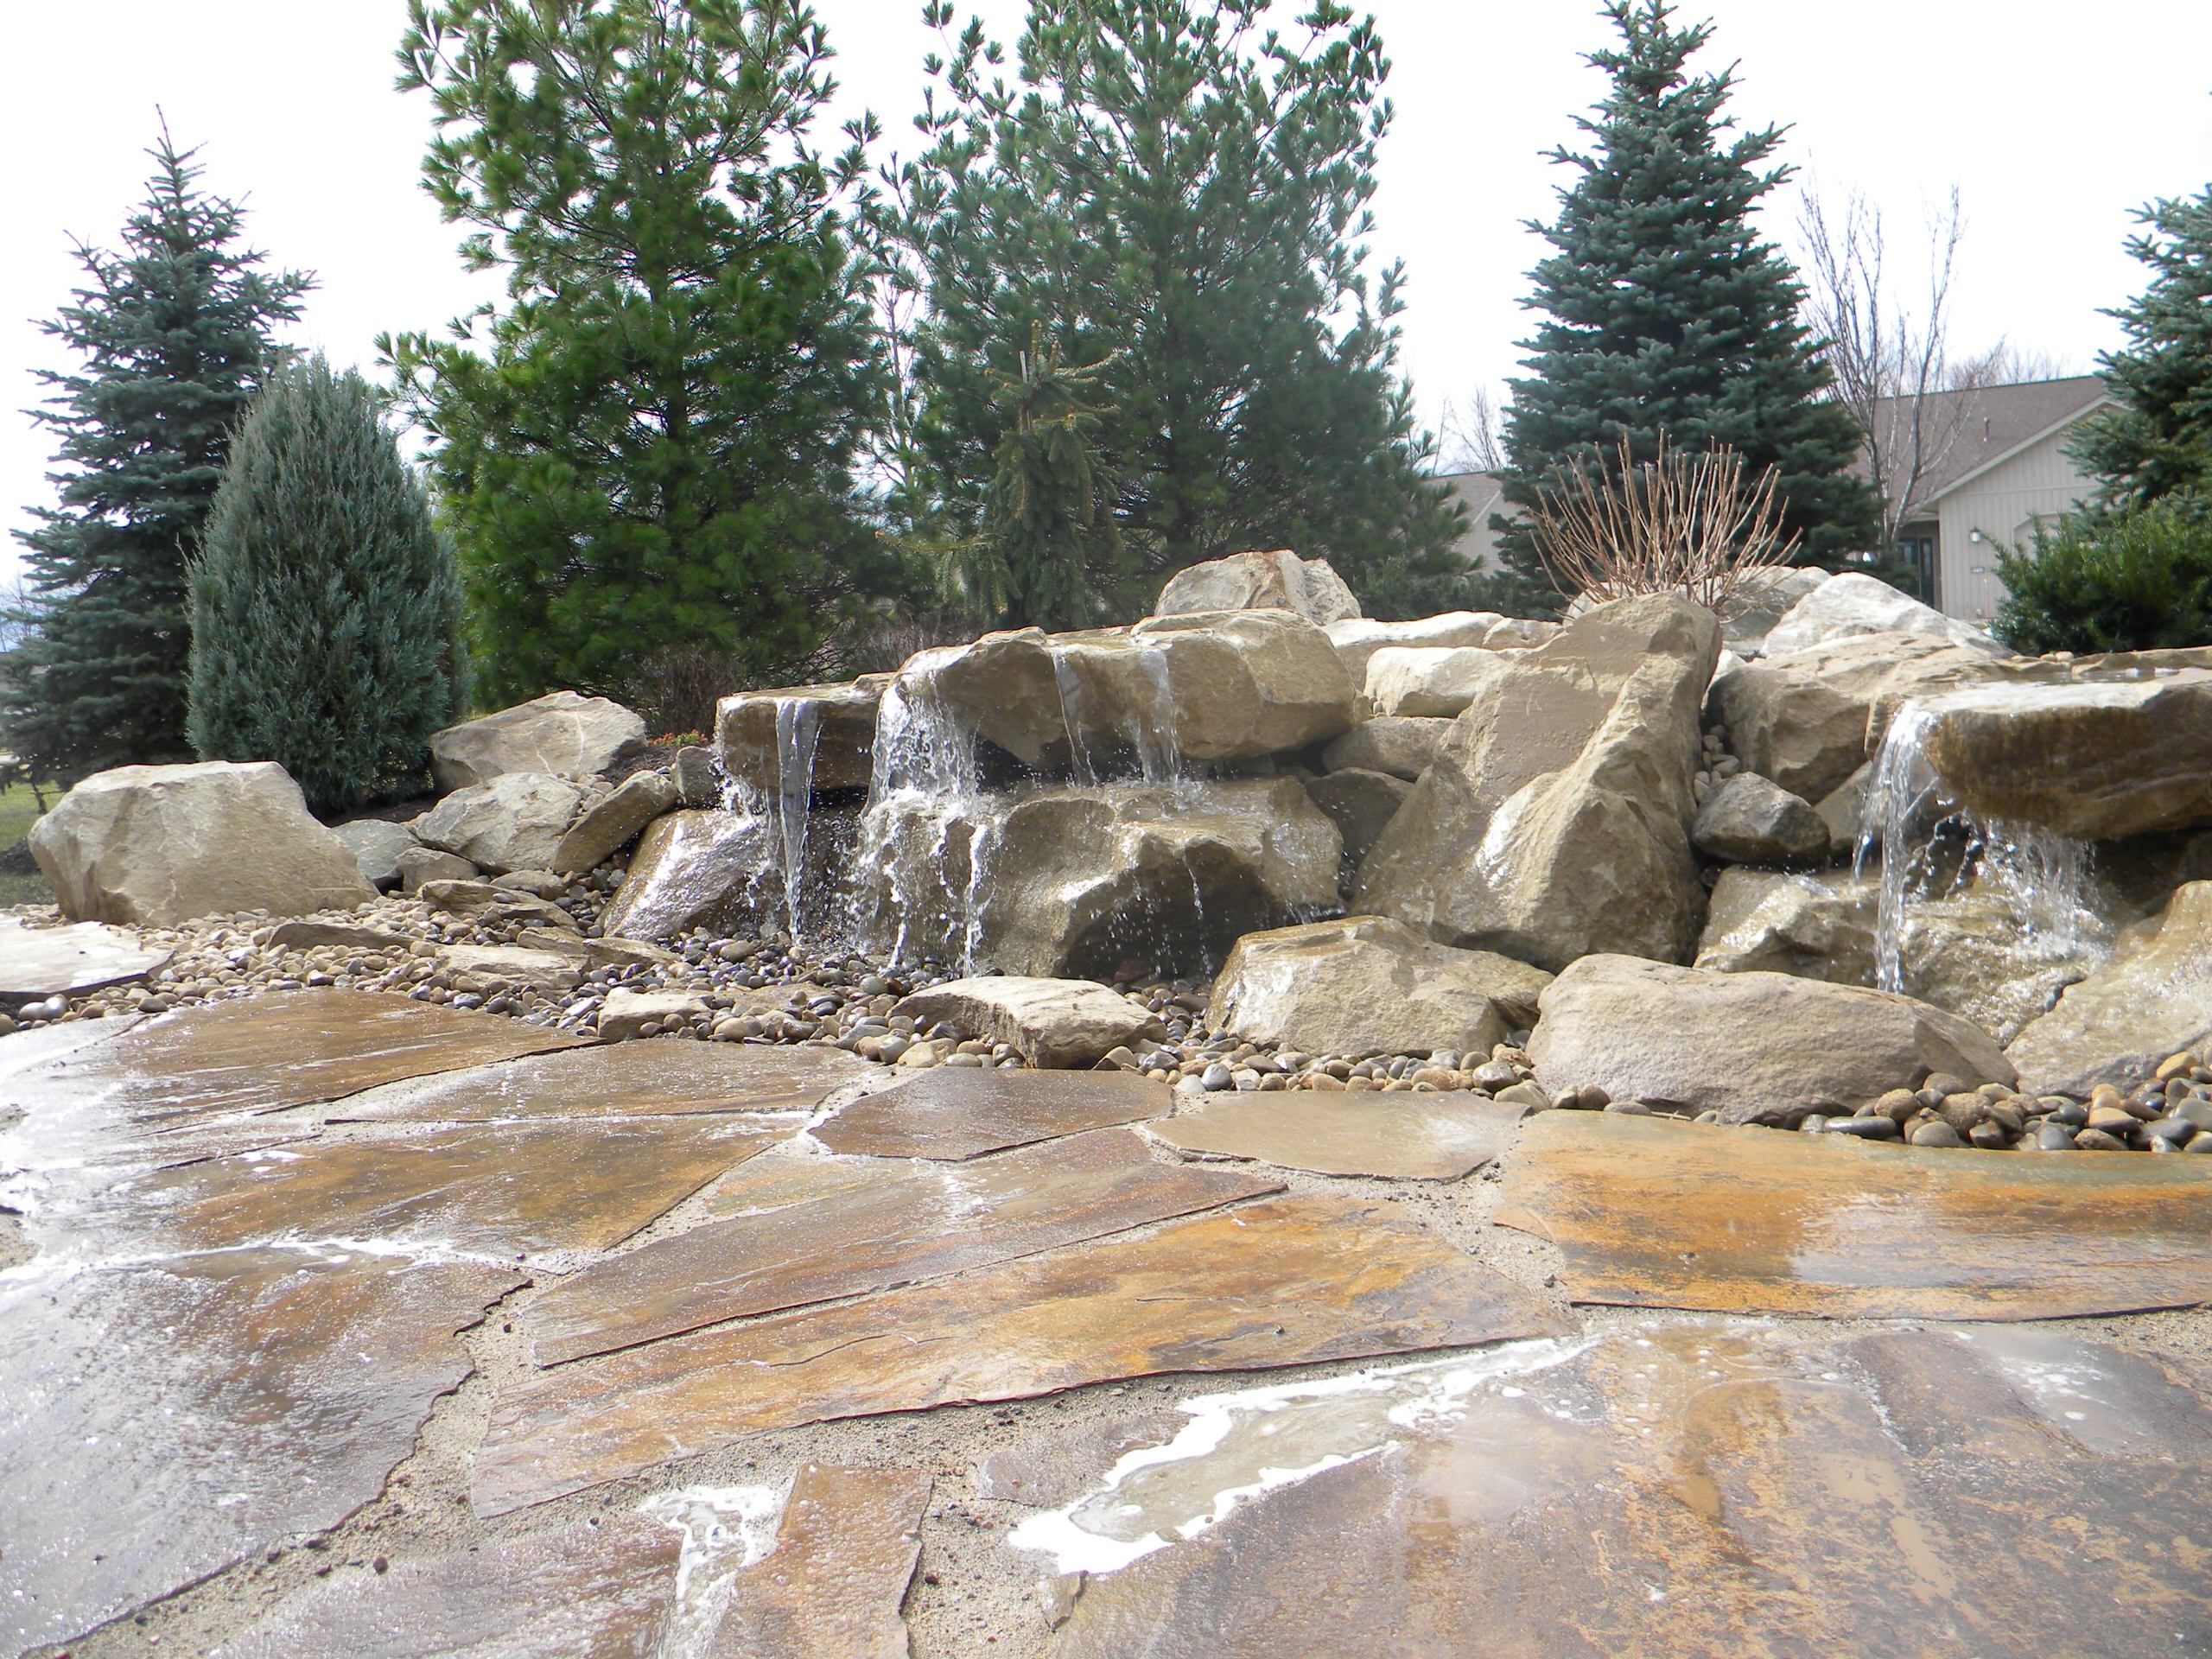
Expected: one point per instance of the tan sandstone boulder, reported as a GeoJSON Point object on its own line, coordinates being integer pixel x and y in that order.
{"type": "Point", "coordinates": [1366, 985]}
{"type": "Point", "coordinates": [1431, 681]}
{"type": "Point", "coordinates": [1399, 745]}
{"type": "Point", "coordinates": [1054, 1024]}
{"type": "Point", "coordinates": [1259, 581]}
{"type": "Point", "coordinates": [562, 732]}
{"type": "Point", "coordinates": [159, 845]}
{"type": "Point", "coordinates": [1554, 821]}
{"type": "Point", "coordinates": [2153, 998]}
{"type": "Point", "coordinates": [611, 823]}
{"type": "Point", "coordinates": [824, 735]}
{"type": "Point", "coordinates": [1756, 1048]}
{"type": "Point", "coordinates": [1851, 604]}
{"type": "Point", "coordinates": [515, 822]}
{"type": "Point", "coordinates": [1358, 638]}
{"type": "Point", "coordinates": [692, 868]}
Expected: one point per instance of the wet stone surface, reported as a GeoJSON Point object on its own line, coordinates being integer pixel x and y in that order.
{"type": "Point", "coordinates": [960, 1114]}
{"type": "Point", "coordinates": [1439, 1137]}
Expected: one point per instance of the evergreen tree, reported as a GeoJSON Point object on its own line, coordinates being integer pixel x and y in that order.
{"type": "Point", "coordinates": [650, 457]}
{"type": "Point", "coordinates": [1181, 197]}
{"type": "Point", "coordinates": [2157, 443]}
{"type": "Point", "coordinates": [1664, 311]}
{"type": "Point", "coordinates": [175, 335]}
{"type": "Point", "coordinates": [326, 612]}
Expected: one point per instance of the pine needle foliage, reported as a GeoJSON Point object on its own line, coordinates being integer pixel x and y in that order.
{"type": "Point", "coordinates": [325, 611]}
{"type": "Point", "coordinates": [176, 333]}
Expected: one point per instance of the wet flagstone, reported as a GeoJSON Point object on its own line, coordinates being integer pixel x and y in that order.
{"type": "Point", "coordinates": [618, 1080]}
{"type": "Point", "coordinates": [961, 1112]}
{"type": "Point", "coordinates": [80, 956]}
{"type": "Point", "coordinates": [160, 1422]}
{"type": "Point", "coordinates": [1439, 1137]}
{"type": "Point", "coordinates": [592, 1592]}
{"type": "Point", "coordinates": [831, 1586]}
{"type": "Point", "coordinates": [510, 1188]}
{"type": "Point", "coordinates": [260, 1054]}
{"type": "Point", "coordinates": [1685, 1490]}
{"type": "Point", "coordinates": [1649, 1213]}
{"type": "Point", "coordinates": [1285, 1282]}
{"type": "Point", "coordinates": [899, 1222]}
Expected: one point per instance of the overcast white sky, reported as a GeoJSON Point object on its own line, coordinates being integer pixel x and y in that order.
{"type": "Point", "coordinates": [2056, 119]}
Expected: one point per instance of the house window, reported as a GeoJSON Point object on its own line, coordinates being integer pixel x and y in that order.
{"type": "Point", "coordinates": [1919, 553]}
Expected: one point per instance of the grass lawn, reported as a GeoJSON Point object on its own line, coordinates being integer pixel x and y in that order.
{"type": "Point", "coordinates": [18, 807]}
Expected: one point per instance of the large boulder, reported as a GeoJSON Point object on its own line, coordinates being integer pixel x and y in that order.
{"type": "Point", "coordinates": [376, 844]}
{"type": "Point", "coordinates": [1764, 599]}
{"type": "Point", "coordinates": [1217, 686]}
{"type": "Point", "coordinates": [1809, 719]}
{"type": "Point", "coordinates": [1259, 581]}
{"type": "Point", "coordinates": [2153, 999]}
{"type": "Point", "coordinates": [1360, 804]}
{"type": "Point", "coordinates": [1079, 881]}
{"type": "Point", "coordinates": [2100, 760]}
{"type": "Point", "coordinates": [1366, 985]}
{"type": "Point", "coordinates": [1399, 745]}
{"type": "Point", "coordinates": [692, 870]}
{"type": "Point", "coordinates": [1554, 821]}
{"type": "Point", "coordinates": [562, 733]}
{"type": "Point", "coordinates": [1814, 926]}
{"type": "Point", "coordinates": [513, 823]}
{"type": "Point", "coordinates": [1748, 820]}
{"type": "Point", "coordinates": [811, 737]}
{"type": "Point", "coordinates": [1434, 681]}
{"type": "Point", "coordinates": [159, 845]}
{"type": "Point", "coordinates": [1853, 604]}
{"type": "Point", "coordinates": [1054, 1024]}
{"type": "Point", "coordinates": [613, 821]}
{"type": "Point", "coordinates": [1756, 1048]}
{"type": "Point", "coordinates": [1358, 638]}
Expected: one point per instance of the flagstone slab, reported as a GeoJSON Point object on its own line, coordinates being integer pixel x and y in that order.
{"type": "Point", "coordinates": [578, 1592]}
{"type": "Point", "coordinates": [515, 1189]}
{"type": "Point", "coordinates": [1649, 1213]}
{"type": "Point", "coordinates": [1439, 1137]}
{"type": "Point", "coordinates": [1674, 1492]}
{"type": "Point", "coordinates": [616, 1080]}
{"type": "Point", "coordinates": [62, 961]}
{"type": "Point", "coordinates": [1286, 1282]}
{"type": "Point", "coordinates": [288, 1048]}
{"type": "Point", "coordinates": [158, 1423]}
{"type": "Point", "coordinates": [959, 1112]}
{"type": "Point", "coordinates": [907, 1221]}
{"type": "Point", "coordinates": [844, 1554]}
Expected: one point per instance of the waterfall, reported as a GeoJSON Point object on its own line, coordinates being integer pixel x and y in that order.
{"type": "Point", "coordinates": [1929, 848]}
{"type": "Point", "coordinates": [798, 731]}
{"type": "Point", "coordinates": [924, 772]}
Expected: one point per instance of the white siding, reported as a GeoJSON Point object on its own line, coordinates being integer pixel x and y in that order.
{"type": "Point", "coordinates": [2002, 505]}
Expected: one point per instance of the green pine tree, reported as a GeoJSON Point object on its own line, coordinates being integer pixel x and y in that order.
{"type": "Point", "coordinates": [1665, 311]}
{"type": "Point", "coordinates": [646, 455]}
{"type": "Point", "coordinates": [2156, 442]}
{"type": "Point", "coordinates": [1181, 196]}
{"type": "Point", "coordinates": [326, 612]}
{"type": "Point", "coordinates": [176, 332]}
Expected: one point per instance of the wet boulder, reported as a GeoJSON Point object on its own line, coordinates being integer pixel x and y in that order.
{"type": "Point", "coordinates": [1748, 820]}
{"type": "Point", "coordinates": [159, 845]}
{"type": "Point", "coordinates": [1081, 881]}
{"type": "Point", "coordinates": [692, 868]}
{"type": "Point", "coordinates": [1770, 921]}
{"type": "Point", "coordinates": [2098, 760]}
{"type": "Point", "coordinates": [1365, 985]}
{"type": "Point", "coordinates": [1053, 1024]}
{"type": "Point", "coordinates": [1358, 638]}
{"type": "Point", "coordinates": [1754, 1047]}
{"type": "Point", "coordinates": [1399, 745]}
{"type": "Point", "coordinates": [1360, 804]}
{"type": "Point", "coordinates": [562, 733]}
{"type": "Point", "coordinates": [2152, 999]}
{"type": "Point", "coordinates": [1554, 821]}
{"type": "Point", "coordinates": [1259, 581]}
{"type": "Point", "coordinates": [513, 823]}
{"type": "Point", "coordinates": [1851, 604]}
{"type": "Point", "coordinates": [823, 735]}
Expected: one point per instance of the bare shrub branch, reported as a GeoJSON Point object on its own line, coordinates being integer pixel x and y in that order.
{"type": "Point", "coordinates": [1673, 523]}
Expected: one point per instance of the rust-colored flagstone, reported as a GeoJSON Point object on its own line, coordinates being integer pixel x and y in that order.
{"type": "Point", "coordinates": [261, 1053]}
{"type": "Point", "coordinates": [831, 1587]}
{"type": "Point", "coordinates": [1654, 1213]}
{"type": "Point", "coordinates": [1286, 1282]}
{"type": "Point", "coordinates": [907, 1221]}
{"type": "Point", "coordinates": [1440, 1137]}
{"type": "Point", "coordinates": [1677, 1493]}
{"type": "Point", "coordinates": [508, 1188]}
{"type": "Point", "coordinates": [616, 1080]}
{"type": "Point", "coordinates": [589, 1592]}
{"type": "Point", "coordinates": [158, 1423]}
{"type": "Point", "coordinates": [961, 1112]}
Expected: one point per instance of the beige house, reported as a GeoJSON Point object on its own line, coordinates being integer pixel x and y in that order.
{"type": "Point", "coordinates": [1994, 463]}
{"type": "Point", "coordinates": [1477, 492]}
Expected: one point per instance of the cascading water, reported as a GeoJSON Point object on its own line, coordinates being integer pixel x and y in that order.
{"type": "Point", "coordinates": [1930, 849]}
{"type": "Point", "coordinates": [925, 777]}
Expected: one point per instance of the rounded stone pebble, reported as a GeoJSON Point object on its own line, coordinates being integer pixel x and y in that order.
{"type": "Point", "coordinates": [2053, 1137]}
{"type": "Point", "coordinates": [1936, 1133]}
